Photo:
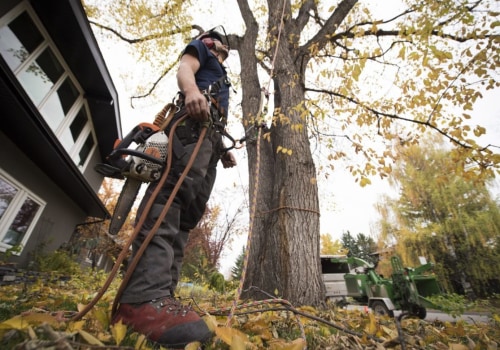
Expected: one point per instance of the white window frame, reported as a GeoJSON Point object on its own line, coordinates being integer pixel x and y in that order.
{"type": "Point", "coordinates": [88, 258]}
{"type": "Point", "coordinates": [14, 207]}
{"type": "Point", "coordinates": [80, 101]}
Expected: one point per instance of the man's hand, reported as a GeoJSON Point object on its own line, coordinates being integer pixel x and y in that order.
{"type": "Point", "coordinates": [196, 105]}
{"type": "Point", "coordinates": [228, 160]}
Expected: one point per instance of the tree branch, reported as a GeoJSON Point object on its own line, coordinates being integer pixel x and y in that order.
{"type": "Point", "coordinates": [380, 114]}
{"type": "Point", "coordinates": [156, 82]}
{"type": "Point", "coordinates": [330, 26]}
{"type": "Point", "coordinates": [142, 39]}
{"type": "Point", "coordinates": [304, 15]}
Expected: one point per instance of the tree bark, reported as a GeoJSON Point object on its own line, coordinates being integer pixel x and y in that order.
{"type": "Point", "coordinates": [285, 241]}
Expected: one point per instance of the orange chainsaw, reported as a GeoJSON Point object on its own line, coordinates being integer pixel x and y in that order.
{"type": "Point", "coordinates": [138, 165]}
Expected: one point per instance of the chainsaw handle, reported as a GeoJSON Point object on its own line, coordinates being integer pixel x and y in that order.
{"type": "Point", "coordinates": [118, 153]}
{"type": "Point", "coordinates": [139, 134]}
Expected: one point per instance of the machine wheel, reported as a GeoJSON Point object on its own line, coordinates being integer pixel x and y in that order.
{"type": "Point", "coordinates": [422, 313]}
{"type": "Point", "coordinates": [341, 303]}
{"type": "Point", "coordinates": [379, 308]}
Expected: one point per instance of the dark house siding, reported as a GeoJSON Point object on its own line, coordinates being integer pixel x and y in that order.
{"type": "Point", "coordinates": [30, 152]}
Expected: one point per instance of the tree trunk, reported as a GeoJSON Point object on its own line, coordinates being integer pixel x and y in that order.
{"type": "Point", "coordinates": [285, 240]}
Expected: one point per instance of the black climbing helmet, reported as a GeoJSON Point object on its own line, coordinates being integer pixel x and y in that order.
{"type": "Point", "coordinates": [214, 34]}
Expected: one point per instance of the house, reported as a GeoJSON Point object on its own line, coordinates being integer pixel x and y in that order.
{"type": "Point", "coordinates": [59, 117]}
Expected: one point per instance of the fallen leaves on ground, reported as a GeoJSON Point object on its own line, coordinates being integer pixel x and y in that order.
{"type": "Point", "coordinates": [38, 316]}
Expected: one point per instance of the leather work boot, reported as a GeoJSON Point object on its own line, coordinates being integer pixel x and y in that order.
{"type": "Point", "coordinates": [165, 321]}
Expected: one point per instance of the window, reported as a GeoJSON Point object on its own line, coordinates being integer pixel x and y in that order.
{"type": "Point", "coordinates": [19, 211]}
{"type": "Point", "coordinates": [42, 72]}
{"type": "Point", "coordinates": [93, 256]}
{"type": "Point", "coordinates": [19, 39]}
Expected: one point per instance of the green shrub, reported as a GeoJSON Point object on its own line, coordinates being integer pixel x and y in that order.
{"type": "Point", "coordinates": [57, 261]}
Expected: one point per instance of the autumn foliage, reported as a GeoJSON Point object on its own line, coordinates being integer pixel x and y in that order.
{"type": "Point", "coordinates": [37, 316]}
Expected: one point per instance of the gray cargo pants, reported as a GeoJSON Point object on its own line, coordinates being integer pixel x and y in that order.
{"type": "Point", "coordinates": [157, 273]}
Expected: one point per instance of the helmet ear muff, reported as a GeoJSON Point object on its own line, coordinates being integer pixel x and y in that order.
{"type": "Point", "coordinates": [209, 42]}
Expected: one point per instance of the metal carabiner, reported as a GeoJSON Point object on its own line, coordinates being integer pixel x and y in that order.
{"type": "Point", "coordinates": [209, 95]}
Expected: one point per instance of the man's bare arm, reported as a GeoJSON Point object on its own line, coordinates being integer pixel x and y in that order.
{"type": "Point", "coordinates": [196, 104]}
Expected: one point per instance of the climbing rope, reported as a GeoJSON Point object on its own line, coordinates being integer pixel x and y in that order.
{"type": "Point", "coordinates": [250, 229]}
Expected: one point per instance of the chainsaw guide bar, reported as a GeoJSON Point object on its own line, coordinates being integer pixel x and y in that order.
{"type": "Point", "coordinates": [124, 204]}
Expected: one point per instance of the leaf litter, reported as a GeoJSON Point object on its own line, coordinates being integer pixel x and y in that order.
{"type": "Point", "coordinates": [37, 315]}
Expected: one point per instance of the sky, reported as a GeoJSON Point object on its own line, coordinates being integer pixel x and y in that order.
{"type": "Point", "coordinates": [345, 206]}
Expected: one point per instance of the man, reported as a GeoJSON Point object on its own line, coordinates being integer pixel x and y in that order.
{"type": "Point", "coordinates": [147, 303]}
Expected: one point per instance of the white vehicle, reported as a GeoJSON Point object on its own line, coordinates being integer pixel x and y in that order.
{"type": "Point", "coordinates": [333, 270]}
{"type": "Point", "coordinates": [354, 278]}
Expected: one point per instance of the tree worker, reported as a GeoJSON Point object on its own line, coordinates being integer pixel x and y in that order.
{"type": "Point", "coordinates": [147, 303]}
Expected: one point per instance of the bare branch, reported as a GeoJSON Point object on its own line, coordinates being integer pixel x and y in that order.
{"type": "Point", "coordinates": [142, 39]}
{"type": "Point", "coordinates": [331, 25]}
{"type": "Point", "coordinates": [303, 17]}
{"type": "Point", "coordinates": [380, 114]}
{"type": "Point", "coordinates": [156, 82]}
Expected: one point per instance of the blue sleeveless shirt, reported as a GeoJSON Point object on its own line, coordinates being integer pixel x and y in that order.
{"type": "Point", "coordinates": [210, 72]}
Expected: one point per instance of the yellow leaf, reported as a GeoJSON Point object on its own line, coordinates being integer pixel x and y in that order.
{"type": "Point", "coordinates": [458, 347]}
{"type": "Point", "coordinates": [21, 322]}
{"type": "Point", "coordinates": [193, 346]}
{"type": "Point", "coordinates": [227, 334]}
{"type": "Point", "coordinates": [75, 326]}
{"type": "Point", "coordinates": [390, 332]}
{"type": "Point", "coordinates": [238, 342]}
{"type": "Point", "coordinates": [365, 181]}
{"type": "Point", "coordinates": [324, 331]}
{"type": "Point", "coordinates": [13, 323]}
{"type": "Point", "coordinates": [118, 330]}
{"type": "Point", "coordinates": [211, 322]}
{"type": "Point", "coordinates": [297, 344]}
{"type": "Point", "coordinates": [31, 333]}
{"type": "Point", "coordinates": [141, 342]}
{"type": "Point", "coordinates": [479, 130]}
{"type": "Point", "coordinates": [105, 337]}
{"type": "Point", "coordinates": [101, 315]}
{"type": "Point", "coordinates": [372, 325]}
{"type": "Point", "coordinates": [356, 72]}
{"type": "Point", "coordinates": [402, 53]}
{"type": "Point", "coordinates": [89, 338]}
